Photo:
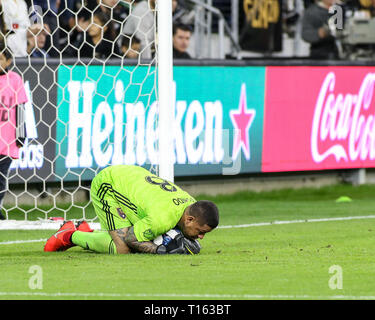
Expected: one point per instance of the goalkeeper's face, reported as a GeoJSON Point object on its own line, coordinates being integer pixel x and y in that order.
{"type": "Point", "coordinates": [192, 229]}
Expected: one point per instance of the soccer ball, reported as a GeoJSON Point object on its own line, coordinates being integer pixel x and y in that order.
{"type": "Point", "coordinates": [167, 237]}
{"type": "Point", "coordinates": [190, 246]}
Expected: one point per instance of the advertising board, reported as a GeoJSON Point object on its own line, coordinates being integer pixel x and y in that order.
{"type": "Point", "coordinates": [319, 118]}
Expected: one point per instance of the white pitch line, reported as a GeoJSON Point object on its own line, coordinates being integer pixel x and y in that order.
{"type": "Point", "coordinates": [259, 224]}
{"type": "Point", "coordinates": [177, 295]}
{"type": "Point", "coordinates": [23, 241]}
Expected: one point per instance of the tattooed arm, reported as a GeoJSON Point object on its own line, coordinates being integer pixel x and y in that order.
{"type": "Point", "coordinates": [131, 241]}
{"type": "Point", "coordinates": [126, 238]}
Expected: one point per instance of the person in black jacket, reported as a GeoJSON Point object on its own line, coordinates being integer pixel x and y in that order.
{"type": "Point", "coordinates": [315, 31]}
{"type": "Point", "coordinates": [97, 41]}
{"type": "Point", "coordinates": [181, 40]}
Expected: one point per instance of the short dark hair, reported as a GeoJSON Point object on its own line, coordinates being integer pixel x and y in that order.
{"type": "Point", "coordinates": [5, 50]}
{"type": "Point", "coordinates": [181, 26]}
{"type": "Point", "coordinates": [206, 212]}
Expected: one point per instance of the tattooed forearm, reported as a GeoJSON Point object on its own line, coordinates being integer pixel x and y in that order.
{"type": "Point", "coordinates": [144, 246]}
{"type": "Point", "coordinates": [121, 233]}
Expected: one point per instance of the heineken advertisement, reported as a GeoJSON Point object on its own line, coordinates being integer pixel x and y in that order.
{"type": "Point", "coordinates": [108, 115]}
{"type": "Point", "coordinates": [228, 120]}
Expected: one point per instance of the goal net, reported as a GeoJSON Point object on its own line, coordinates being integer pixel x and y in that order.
{"type": "Point", "coordinates": [90, 71]}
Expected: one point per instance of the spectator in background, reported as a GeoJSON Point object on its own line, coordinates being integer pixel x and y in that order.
{"type": "Point", "coordinates": [181, 40]}
{"type": "Point", "coordinates": [117, 11]}
{"type": "Point", "coordinates": [141, 23]}
{"type": "Point", "coordinates": [49, 16]}
{"type": "Point", "coordinates": [315, 30]}
{"type": "Point", "coordinates": [36, 40]}
{"type": "Point", "coordinates": [74, 20]}
{"type": "Point", "coordinates": [14, 23]}
{"type": "Point", "coordinates": [76, 15]}
{"type": "Point", "coordinates": [130, 46]}
{"type": "Point", "coordinates": [82, 11]}
{"type": "Point", "coordinates": [307, 3]}
{"type": "Point", "coordinates": [97, 42]}
{"type": "Point", "coordinates": [12, 127]}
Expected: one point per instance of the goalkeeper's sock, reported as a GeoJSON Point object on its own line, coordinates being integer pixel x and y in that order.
{"type": "Point", "coordinates": [100, 242]}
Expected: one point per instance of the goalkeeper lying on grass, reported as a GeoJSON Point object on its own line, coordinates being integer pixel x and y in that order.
{"type": "Point", "coordinates": [134, 207]}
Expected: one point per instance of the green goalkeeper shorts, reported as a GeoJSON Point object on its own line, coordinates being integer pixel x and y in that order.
{"type": "Point", "coordinates": [110, 213]}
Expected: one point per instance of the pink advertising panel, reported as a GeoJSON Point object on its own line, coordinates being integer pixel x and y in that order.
{"type": "Point", "coordinates": [319, 118]}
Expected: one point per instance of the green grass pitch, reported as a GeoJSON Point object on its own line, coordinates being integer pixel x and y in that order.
{"type": "Point", "coordinates": [329, 259]}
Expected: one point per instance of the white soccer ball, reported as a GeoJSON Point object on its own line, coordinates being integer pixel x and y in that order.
{"type": "Point", "coordinates": [166, 237]}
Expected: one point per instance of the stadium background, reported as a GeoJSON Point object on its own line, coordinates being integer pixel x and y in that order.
{"type": "Point", "coordinates": [292, 113]}
{"type": "Point", "coordinates": [275, 109]}
{"type": "Point", "coordinates": [283, 99]}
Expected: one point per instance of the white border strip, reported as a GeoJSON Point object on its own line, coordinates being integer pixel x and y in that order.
{"type": "Point", "coordinates": [177, 295]}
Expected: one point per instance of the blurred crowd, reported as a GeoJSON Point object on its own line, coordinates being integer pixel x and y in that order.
{"type": "Point", "coordinates": [103, 29]}
{"type": "Point", "coordinates": [330, 29]}
{"type": "Point", "coordinates": [99, 29]}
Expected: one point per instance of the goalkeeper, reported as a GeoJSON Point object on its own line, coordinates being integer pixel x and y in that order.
{"type": "Point", "coordinates": [135, 206]}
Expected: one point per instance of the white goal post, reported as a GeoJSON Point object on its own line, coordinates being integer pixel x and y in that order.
{"type": "Point", "coordinates": [84, 113]}
{"type": "Point", "coordinates": [165, 82]}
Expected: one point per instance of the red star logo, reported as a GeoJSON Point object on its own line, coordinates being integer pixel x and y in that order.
{"type": "Point", "coordinates": [242, 120]}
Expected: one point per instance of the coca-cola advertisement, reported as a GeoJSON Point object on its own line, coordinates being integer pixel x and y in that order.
{"type": "Point", "coordinates": [319, 118]}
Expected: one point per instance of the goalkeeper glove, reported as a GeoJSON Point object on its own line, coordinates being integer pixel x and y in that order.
{"type": "Point", "coordinates": [191, 246]}
{"type": "Point", "coordinates": [179, 245]}
{"type": "Point", "coordinates": [174, 246]}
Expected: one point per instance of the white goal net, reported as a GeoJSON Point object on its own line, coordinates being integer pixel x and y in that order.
{"type": "Point", "coordinates": [90, 72]}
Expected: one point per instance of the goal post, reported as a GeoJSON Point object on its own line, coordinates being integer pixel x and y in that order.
{"type": "Point", "coordinates": [166, 88]}
{"type": "Point", "coordinates": [86, 114]}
